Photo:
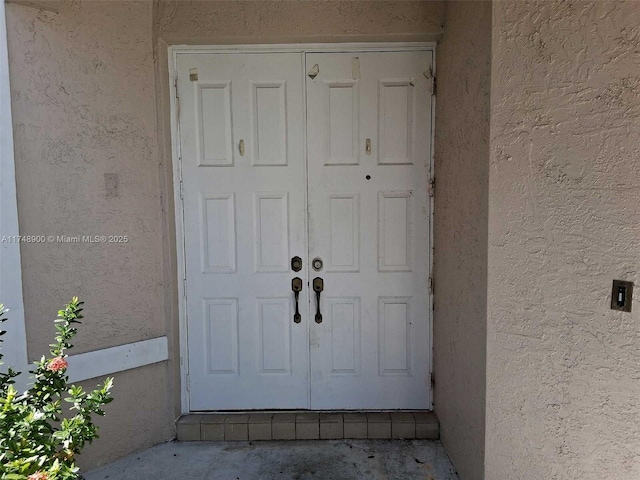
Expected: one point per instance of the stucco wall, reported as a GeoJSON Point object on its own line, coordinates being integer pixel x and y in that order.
{"type": "Point", "coordinates": [83, 99]}
{"type": "Point", "coordinates": [215, 22]}
{"type": "Point", "coordinates": [563, 389]}
{"type": "Point", "coordinates": [460, 231]}
{"type": "Point", "coordinates": [131, 424]}
{"type": "Point", "coordinates": [83, 104]}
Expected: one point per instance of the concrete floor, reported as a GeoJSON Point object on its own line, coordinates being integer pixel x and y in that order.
{"type": "Point", "coordinates": [299, 460]}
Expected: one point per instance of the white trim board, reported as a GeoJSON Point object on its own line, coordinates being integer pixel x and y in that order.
{"type": "Point", "coordinates": [303, 48]}
{"type": "Point", "coordinates": [176, 157]}
{"type": "Point", "coordinates": [14, 346]}
{"type": "Point", "coordinates": [173, 52]}
{"type": "Point", "coordinates": [117, 359]}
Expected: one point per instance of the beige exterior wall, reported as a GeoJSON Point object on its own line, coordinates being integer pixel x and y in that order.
{"type": "Point", "coordinates": [563, 396]}
{"type": "Point", "coordinates": [90, 96]}
{"type": "Point", "coordinates": [460, 232]}
{"type": "Point", "coordinates": [132, 423]}
{"type": "Point", "coordinates": [84, 105]}
{"type": "Point", "coordinates": [83, 99]}
{"type": "Point", "coordinates": [219, 22]}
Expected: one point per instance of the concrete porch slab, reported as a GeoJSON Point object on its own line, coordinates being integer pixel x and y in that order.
{"type": "Point", "coordinates": [282, 460]}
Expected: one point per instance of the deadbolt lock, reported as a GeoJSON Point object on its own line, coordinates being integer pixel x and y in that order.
{"type": "Point", "coordinates": [296, 264]}
{"type": "Point", "coordinates": [317, 264]}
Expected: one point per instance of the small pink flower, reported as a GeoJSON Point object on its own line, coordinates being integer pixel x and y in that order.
{"type": "Point", "coordinates": [38, 476]}
{"type": "Point", "coordinates": [55, 365]}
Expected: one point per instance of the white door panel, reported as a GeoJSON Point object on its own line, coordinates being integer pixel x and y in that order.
{"type": "Point", "coordinates": [244, 218]}
{"type": "Point", "coordinates": [368, 162]}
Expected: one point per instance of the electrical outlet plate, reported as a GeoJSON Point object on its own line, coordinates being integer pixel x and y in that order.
{"type": "Point", "coordinates": [621, 295]}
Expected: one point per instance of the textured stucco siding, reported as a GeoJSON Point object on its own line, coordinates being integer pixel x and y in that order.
{"type": "Point", "coordinates": [83, 102]}
{"type": "Point", "coordinates": [460, 232]}
{"type": "Point", "coordinates": [139, 417]}
{"type": "Point", "coordinates": [563, 381]}
{"type": "Point", "coordinates": [83, 99]}
{"type": "Point", "coordinates": [211, 22]}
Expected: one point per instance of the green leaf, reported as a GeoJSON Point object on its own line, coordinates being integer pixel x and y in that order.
{"type": "Point", "coordinates": [35, 434]}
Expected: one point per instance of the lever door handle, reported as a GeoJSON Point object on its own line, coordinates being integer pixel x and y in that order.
{"type": "Point", "coordinates": [296, 286]}
{"type": "Point", "coordinates": [318, 286]}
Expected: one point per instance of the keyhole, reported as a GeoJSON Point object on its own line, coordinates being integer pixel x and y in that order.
{"type": "Point", "coordinates": [368, 177]}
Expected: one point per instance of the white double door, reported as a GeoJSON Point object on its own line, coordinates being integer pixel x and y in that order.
{"type": "Point", "coordinates": [321, 156]}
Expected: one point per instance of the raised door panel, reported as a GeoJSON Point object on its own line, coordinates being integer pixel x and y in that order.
{"type": "Point", "coordinates": [343, 315]}
{"type": "Point", "coordinates": [221, 340]}
{"type": "Point", "coordinates": [344, 232]}
{"type": "Point", "coordinates": [395, 122]}
{"type": "Point", "coordinates": [218, 233]}
{"type": "Point", "coordinates": [394, 335]}
{"type": "Point", "coordinates": [214, 125]}
{"type": "Point", "coordinates": [271, 232]}
{"type": "Point", "coordinates": [394, 231]}
{"type": "Point", "coordinates": [269, 118]}
{"type": "Point", "coordinates": [274, 318]}
{"type": "Point", "coordinates": [341, 129]}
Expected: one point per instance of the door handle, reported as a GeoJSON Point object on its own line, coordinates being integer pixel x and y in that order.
{"type": "Point", "coordinates": [318, 286]}
{"type": "Point", "coordinates": [296, 286]}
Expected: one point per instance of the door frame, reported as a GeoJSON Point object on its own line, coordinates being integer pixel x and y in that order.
{"type": "Point", "coordinates": [176, 157]}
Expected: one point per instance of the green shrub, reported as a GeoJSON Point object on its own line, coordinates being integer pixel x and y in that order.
{"type": "Point", "coordinates": [38, 440]}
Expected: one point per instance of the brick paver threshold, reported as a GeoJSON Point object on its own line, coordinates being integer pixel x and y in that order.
{"type": "Point", "coordinates": [306, 426]}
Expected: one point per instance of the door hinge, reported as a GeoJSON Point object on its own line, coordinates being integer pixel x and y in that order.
{"type": "Point", "coordinates": [177, 99]}
{"type": "Point", "coordinates": [432, 187]}
{"type": "Point", "coordinates": [188, 383]}
{"type": "Point", "coordinates": [431, 286]}
{"type": "Point", "coordinates": [184, 287]}
{"type": "Point", "coordinates": [180, 184]}
{"type": "Point", "coordinates": [434, 85]}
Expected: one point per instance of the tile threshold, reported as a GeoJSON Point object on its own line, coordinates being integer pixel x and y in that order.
{"type": "Point", "coordinates": [307, 425]}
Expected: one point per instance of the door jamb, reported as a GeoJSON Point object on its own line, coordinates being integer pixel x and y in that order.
{"type": "Point", "coordinates": [173, 52]}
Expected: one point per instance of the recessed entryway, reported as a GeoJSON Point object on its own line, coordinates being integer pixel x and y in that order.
{"type": "Point", "coordinates": [324, 156]}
